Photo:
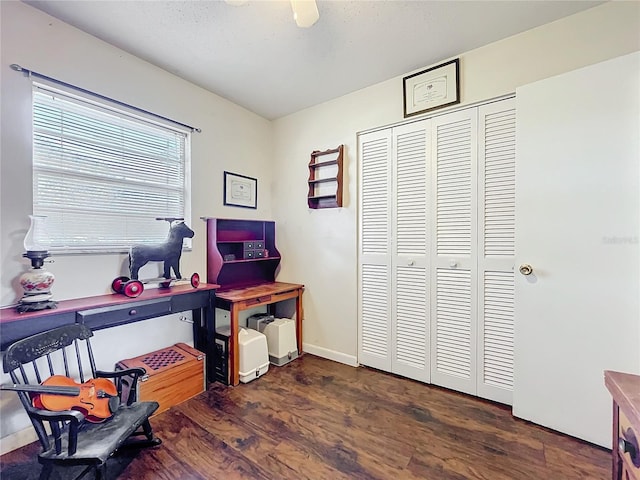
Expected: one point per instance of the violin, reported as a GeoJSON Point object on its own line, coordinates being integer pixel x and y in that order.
{"type": "Point", "coordinates": [97, 399]}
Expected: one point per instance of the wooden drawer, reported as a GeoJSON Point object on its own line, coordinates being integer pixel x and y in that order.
{"type": "Point", "coordinates": [174, 374]}
{"type": "Point", "coordinates": [97, 318]}
{"type": "Point", "coordinates": [255, 302]}
{"type": "Point", "coordinates": [267, 299]}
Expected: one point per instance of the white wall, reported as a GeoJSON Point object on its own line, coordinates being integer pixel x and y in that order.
{"type": "Point", "coordinates": [232, 139]}
{"type": "Point", "coordinates": [320, 247]}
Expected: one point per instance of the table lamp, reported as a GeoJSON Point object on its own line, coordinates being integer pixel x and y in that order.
{"type": "Point", "coordinates": [37, 281]}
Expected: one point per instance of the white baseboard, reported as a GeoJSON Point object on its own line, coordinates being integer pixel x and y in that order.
{"type": "Point", "coordinates": [17, 440]}
{"type": "Point", "coordinates": [339, 357]}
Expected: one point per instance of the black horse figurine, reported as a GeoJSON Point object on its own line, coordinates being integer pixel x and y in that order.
{"type": "Point", "coordinates": [168, 252]}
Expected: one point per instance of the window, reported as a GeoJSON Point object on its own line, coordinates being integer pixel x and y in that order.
{"type": "Point", "coordinates": [102, 175]}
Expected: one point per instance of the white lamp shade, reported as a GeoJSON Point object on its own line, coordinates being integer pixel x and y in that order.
{"type": "Point", "coordinates": [37, 239]}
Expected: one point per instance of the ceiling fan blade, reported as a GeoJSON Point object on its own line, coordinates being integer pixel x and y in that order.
{"type": "Point", "coordinates": [305, 12]}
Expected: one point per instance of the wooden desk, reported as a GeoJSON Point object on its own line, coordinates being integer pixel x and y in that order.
{"type": "Point", "coordinates": [237, 299]}
{"type": "Point", "coordinates": [104, 311]}
{"type": "Point", "coordinates": [625, 391]}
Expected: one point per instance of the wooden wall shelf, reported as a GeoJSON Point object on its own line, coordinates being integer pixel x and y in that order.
{"type": "Point", "coordinates": [325, 178]}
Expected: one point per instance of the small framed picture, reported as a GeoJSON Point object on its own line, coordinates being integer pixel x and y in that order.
{"type": "Point", "coordinates": [433, 88]}
{"type": "Point", "coordinates": [240, 191]}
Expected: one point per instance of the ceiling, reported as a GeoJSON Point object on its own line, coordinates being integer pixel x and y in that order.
{"type": "Point", "coordinates": [255, 56]}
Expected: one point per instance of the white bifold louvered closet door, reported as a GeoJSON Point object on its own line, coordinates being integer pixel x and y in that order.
{"type": "Point", "coordinates": [473, 225]}
{"type": "Point", "coordinates": [454, 253]}
{"type": "Point", "coordinates": [394, 324]}
{"type": "Point", "coordinates": [438, 208]}
{"type": "Point", "coordinates": [374, 328]}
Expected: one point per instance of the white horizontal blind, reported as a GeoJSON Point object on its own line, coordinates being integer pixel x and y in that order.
{"type": "Point", "coordinates": [102, 175]}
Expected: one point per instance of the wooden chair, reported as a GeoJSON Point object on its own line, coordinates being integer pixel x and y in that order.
{"type": "Point", "coordinates": [74, 440]}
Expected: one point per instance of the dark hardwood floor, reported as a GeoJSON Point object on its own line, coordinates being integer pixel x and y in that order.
{"type": "Point", "coordinates": [316, 419]}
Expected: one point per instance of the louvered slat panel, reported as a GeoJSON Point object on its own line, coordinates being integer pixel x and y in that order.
{"type": "Point", "coordinates": [453, 188]}
{"type": "Point", "coordinates": [453, 322]}
{"type": "Point", "coordinates": [498, 328]}
{"type": "Point", "coordinates": [411, 194]}
{"type": "Point", "coordinates": [374, 310]}
{"type": "Point", "coordinates": [496, 148]}
{"type": "Point", "coordinates": [411, 317]}
{"type": "Point", "coordinates": [499, 184]}
{"type": "Point", "coordinates": [374, 196]}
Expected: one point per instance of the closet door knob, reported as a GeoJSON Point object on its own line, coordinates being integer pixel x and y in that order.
{"type": "Point", "coordinates": [526, 269]}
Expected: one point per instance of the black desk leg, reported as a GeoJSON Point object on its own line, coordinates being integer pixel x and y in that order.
{"type": "Point", "coordinates": [210, 335]}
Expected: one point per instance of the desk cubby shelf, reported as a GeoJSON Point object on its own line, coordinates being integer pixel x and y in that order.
{"type": "Point", "coordinates": [241, 252]}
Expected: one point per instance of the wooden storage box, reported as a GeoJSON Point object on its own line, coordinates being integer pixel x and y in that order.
{"type": "Point", "coordinates": [174, 374]}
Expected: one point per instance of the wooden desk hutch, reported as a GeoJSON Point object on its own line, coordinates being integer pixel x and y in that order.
{"type": "Point", "coordinates": [242, 258]}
